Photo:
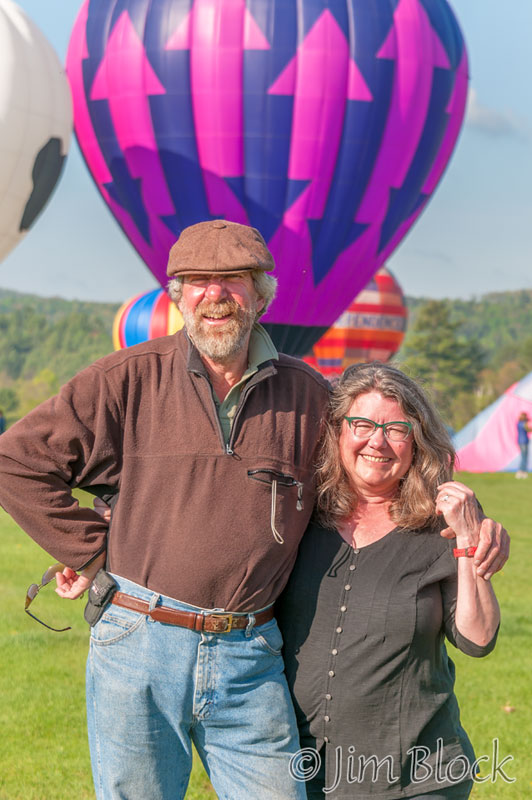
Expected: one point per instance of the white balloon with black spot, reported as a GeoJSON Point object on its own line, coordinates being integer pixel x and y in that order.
{"type": "Point", "coordinates": [35, 123]}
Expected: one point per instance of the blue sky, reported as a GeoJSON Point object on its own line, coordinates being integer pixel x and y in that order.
{"type": "Point", "coordinates": [475, 236]}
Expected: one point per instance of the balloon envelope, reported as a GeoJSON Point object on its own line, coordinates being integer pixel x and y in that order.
{"type": "Point", "coordinates": [145, 317]}
{"type": "Point", "coordinates": [371, 329]}
{"type": "Point", "coordinates": [488, 443]}
{"type": "Point", "coordinates": [35, 123]}
{"type": "Point", "coordinates": [326, 125]}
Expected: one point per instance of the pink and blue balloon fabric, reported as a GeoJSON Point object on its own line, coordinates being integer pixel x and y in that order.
{"type": "Point", "coordinates": [488, 443]}
{"type": "Point", "coordinates": [326, 125]}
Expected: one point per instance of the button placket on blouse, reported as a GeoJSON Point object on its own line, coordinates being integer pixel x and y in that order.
{"type": "Point", "coordinates": [338, 631]}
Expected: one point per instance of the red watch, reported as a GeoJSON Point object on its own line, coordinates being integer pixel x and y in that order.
{"type": "Point", "coordinates": [464, 551]}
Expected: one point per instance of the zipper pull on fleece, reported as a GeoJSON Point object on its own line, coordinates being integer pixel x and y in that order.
{"type": "Point", "coordinates": [299, 504]}
{"type": "Point", "coordinates": [228, 450]}
{"type": "Point", "coordinates": [276, 535]}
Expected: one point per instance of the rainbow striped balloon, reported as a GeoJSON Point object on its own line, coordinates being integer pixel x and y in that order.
{"type": "Point", "coordinates": [144, 317]}
{"type": "Point", "coordinates": [371, 329]}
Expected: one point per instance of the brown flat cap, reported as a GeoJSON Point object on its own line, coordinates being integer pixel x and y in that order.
{"type": "Point", "coordinates": [219, 246]}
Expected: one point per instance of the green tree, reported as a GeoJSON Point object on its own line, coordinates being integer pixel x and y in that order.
{"type": "Point", "coordinates": [35, 391]}
{"type": "Point", "coordinates": [8, 399]}
{"type": "Point", "coordinates": [71, 343]}
{"type": "Point", "coordinates": [20, 332]}
{"type": "Point", "coordinates": [446, 361]}
{"type": "Point", "coordinates": [524, 357]}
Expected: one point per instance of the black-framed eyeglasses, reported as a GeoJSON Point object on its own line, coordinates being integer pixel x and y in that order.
{"type": "Point", "coordinates": [365, 428]}
{"type": "Point", "coordinates": [34, 590]}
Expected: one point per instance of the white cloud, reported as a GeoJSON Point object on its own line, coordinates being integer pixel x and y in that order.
{"type": "Point", "coordinates": [494, 123]}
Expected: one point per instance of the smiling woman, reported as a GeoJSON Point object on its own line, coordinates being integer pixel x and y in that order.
{"type": "Point", "coordinates": [375, 459]}
{"type": "Point", "coordinates": [374, 592]}
{"type": "Point", "coordinates": [385, 394]}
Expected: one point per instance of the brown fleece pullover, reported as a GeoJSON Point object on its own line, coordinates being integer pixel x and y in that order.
{"type": "Point", "coordinates": [194, 518]}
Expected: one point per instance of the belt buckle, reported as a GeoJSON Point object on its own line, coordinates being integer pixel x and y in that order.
{"type": "Point", "coordinates": [226, 618]}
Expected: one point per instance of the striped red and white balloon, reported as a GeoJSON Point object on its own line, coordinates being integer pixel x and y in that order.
{"type": "Point", "coordinates": [144, 317]}
{"type": "Point", "coordinates": [372, 328]}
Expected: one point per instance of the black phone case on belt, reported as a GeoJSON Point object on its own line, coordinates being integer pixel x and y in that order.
{"type": "Point", "coordinates": [101, 591]}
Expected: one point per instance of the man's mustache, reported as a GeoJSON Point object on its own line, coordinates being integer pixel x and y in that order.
{"type": "Point", "coordinates": [217, 310]}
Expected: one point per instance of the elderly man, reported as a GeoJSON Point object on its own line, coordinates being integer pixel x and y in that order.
{"type": "Point", "coordinates": [206, 442]}
{"type": "Point", "coordinates": [207, 439]}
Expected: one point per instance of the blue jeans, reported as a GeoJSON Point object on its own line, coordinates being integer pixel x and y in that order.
{"type": "Point", "coordinates": [523, 466]}
{"type": "Point", "coordinates": [152, 689]}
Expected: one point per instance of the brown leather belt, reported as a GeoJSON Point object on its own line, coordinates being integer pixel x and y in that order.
{"type": "Point", "coordinates": [212, 623]}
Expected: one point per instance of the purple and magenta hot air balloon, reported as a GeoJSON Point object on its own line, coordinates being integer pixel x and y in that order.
{"type": "Point", "coordinates": [326, 125]}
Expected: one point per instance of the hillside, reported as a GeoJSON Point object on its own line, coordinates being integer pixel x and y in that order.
{"type": "Point", "coordinates": [45, 341]}
{"type": "Point", "coordinates": [500, 322]}
{"type": "Point", "coordinates": [55, 308]}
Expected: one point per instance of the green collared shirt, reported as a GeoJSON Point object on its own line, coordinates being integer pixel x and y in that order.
{"type": "Point", "coordinates": [261, 349]}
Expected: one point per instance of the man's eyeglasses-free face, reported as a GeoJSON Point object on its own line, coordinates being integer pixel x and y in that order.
{"type": "Point", "coordinates": [34, 590]}
{"type": "Point", "coordinates": [365, 428]}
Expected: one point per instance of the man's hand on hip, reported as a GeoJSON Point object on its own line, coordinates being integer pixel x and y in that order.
{"type": "Point", "coordinates": [70, 585]}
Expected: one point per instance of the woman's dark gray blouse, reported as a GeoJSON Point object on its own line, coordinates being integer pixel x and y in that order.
{"type": "Point", "coordinates": [366, 662]}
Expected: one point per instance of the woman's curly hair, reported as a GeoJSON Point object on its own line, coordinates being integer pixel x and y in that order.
{"type": "Point", "coordinates": [433, 454]}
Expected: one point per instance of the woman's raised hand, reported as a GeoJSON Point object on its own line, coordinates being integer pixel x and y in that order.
{"type": "Point", "coordinates": [467, 522]}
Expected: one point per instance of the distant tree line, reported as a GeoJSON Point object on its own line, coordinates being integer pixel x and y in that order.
{"type": "Point", "coordinates": [43, 343]}
{"type": "Point", "coordinates": [466, 352]}
{"type": "Point", "coordinates": [469, 352]}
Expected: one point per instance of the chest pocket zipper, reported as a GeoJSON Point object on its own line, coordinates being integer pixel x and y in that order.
{"type": "Point", "coordinates": [273, 478]}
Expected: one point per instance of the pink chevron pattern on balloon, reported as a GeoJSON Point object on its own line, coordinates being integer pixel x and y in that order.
{"type": "Point", "coordinates": [326, 125]}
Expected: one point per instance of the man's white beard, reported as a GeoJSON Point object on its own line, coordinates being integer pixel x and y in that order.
{"type": "Point", "coordinates": [224, 343]}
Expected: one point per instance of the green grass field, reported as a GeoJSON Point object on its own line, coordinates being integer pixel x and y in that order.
{"type": "Point", "coordinates": [43, 750]}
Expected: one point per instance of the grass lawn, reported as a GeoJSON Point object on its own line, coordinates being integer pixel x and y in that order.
{"type": "Point", "coordinates": [44, 755]}
{"type": "Point", "coordinates": [495, 693]}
